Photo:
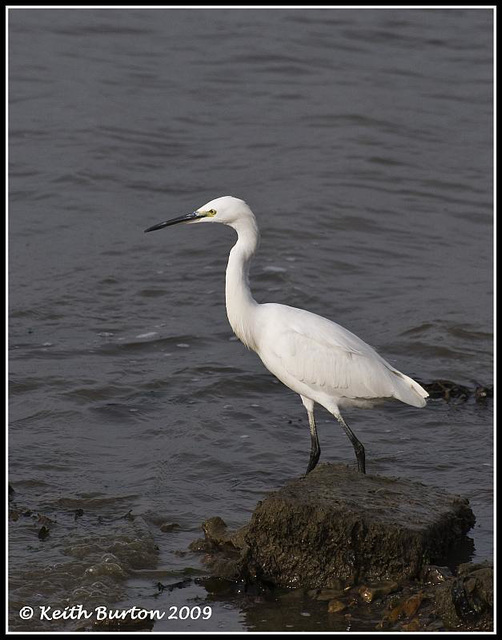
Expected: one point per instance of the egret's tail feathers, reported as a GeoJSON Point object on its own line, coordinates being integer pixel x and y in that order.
{"type": "Point", "coordinates": [411, 392]}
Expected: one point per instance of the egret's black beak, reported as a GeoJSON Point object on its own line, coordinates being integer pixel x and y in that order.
{"type": "Point", "coordinates": [186, 218]}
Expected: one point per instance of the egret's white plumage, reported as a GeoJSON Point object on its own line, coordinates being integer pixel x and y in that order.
{"type": "Point", "coordinates": [320, 360]}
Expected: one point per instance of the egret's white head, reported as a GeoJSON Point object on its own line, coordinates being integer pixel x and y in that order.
{"type": "Point", "coordinates": [226, 210]}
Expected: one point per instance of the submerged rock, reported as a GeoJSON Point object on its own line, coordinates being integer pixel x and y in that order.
{"type": "Point", "coordinates": [434, 575]}
{"type": "Point", "coordinates": [466, 601]}
{"type": "Point", "coordinates": [459, 603]}
{"type": "Point", "coordinates": [447, 389]}
{"type": "Point", "coordinates": [335, 606]}
{"type": "Point", "coordinates": [225, 550]}
{"type": "Point", "coordinates": [167, 527]}
{"type": "Point", "coordinates": [370, 592]}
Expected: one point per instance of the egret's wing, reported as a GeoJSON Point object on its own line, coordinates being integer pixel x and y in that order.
{"type": "Point", "coordinates": [324, 355]}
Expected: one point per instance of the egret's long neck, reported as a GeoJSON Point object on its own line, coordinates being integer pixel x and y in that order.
{"type": "Point", "coordinates": [241, 305]}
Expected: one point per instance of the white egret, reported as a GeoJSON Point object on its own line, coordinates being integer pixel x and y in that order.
{"type": "Point", "coordinates": [320, 360]}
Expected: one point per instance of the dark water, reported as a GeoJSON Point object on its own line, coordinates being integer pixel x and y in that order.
{"type": "Point", "coordinates": [362, 139]}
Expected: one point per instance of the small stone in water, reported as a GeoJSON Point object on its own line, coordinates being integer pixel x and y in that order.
{"type": "Point", "coordinates": [335, 606]}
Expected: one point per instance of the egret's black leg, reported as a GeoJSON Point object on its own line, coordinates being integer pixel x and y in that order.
{"type": "Point", "coordinates": [315, 449]}
{"type": "Point", "coordinates": [358, 447]}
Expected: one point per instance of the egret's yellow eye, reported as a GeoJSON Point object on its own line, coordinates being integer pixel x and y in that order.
{"type": "Point", "coordinates": [211, 212]}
